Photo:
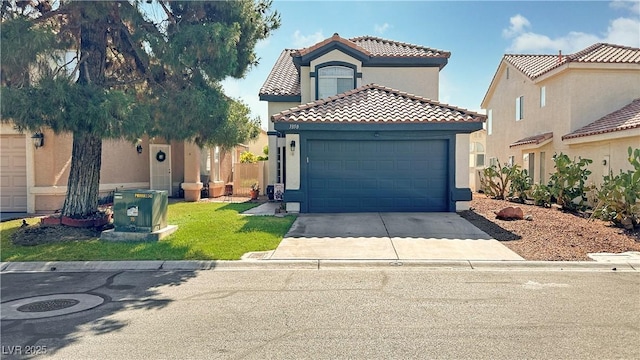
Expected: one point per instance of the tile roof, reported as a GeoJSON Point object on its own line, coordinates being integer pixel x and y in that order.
{"type": "Point", "coordinates": [375, 103]}
{"type": "Point", "coordinates": [388, 48]}
{"type": "Point", "coordinates": [623, 119]}
{"type": "Point", "coordinates": [536, 65]}
{"type": "Point", "coordinates": [284, 78]}
{"type": "Point", "coordinates": [536, 139]}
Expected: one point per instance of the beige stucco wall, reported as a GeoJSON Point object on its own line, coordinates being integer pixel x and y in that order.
{"type": "Point", "coordinates": [121, 167]}
{"type": "Point", "coordinates": [462, 167]}
{"type": "Point", "coordinates": [575, 97]}
{"type": "Point", "coordinates": [421, 81]}
{"type": "Point", "coordinates": [273, 108]}
{"type": "Point", "coordinates": [479, 137]}
{"type": "Point", "coordinates": [333, 55]}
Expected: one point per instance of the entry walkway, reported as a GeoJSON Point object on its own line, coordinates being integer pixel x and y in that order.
{"type": "Point", "coordinates": [389, 236]}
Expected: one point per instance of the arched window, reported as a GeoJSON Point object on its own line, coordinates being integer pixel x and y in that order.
{"type": "Point", "coordinates": [334, 80]}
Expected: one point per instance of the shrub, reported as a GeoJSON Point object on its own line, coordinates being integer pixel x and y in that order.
{"type": "Point", "coordinates": [248, 157]}
{"type": "Point", "coordinates": [567, 182]}
{"type": "Point", "coordinates": [541, 195]}
{"type": "Point", "coordinates": [520, 183]}
{"type": "Point", "coordinates": [618, 198]}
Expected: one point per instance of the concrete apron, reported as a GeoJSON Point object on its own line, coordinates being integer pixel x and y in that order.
{"type": "Point", "coordinates": [389, 236]}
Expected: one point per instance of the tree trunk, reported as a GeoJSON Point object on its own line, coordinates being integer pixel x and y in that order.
{"type": "Point", "coordinates": [81, 200]}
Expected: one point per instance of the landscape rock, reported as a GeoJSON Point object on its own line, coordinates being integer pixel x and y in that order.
{"type": "Point", "coordinates": [510, 213]}
{"type": "Point", "coordinates": [528, 217]}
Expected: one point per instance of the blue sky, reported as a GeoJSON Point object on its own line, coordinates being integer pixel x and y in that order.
{"type": "Point", "coordinates": [477, 33]}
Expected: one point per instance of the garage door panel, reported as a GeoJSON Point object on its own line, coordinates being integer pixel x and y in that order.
{"type": "Point", "coordinates": [371, 176]}
{"type": "Point", "coordinates": [13, 170]}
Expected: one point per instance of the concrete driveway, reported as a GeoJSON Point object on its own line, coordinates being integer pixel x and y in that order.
{"type": "Point", "coordinates": [389, 236]}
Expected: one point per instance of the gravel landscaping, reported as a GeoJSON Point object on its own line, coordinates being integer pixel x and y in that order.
{"type": "Point", "coordinates": [552, 234]}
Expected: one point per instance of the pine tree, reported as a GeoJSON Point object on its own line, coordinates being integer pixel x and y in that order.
{"type": "Point", "coordinates": [140, 68]}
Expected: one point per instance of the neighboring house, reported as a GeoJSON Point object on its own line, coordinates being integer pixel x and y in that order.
{"type": "Point", "coordinates": [583, 105]}
{"type": "Point", "coordinates": [34, 180]}
{"type": "Point", "coordinates": [356, 127]}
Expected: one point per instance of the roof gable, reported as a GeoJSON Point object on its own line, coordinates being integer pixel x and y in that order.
{"type": "Point", "coordinates": [623, 119]}
{"type": "Point", "coordinates": [377, 104]}
{"type": "Point", "coordinates": [533, 66]}
{"type": "Point", "coordinates": [283, 82]}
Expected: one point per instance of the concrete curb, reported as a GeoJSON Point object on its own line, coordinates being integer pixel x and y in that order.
{"type": "Point", "coordinates": [218, 265]}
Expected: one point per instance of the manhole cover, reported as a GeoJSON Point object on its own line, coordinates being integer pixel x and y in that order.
{"type": "Point", "coordinates": [48, 305]}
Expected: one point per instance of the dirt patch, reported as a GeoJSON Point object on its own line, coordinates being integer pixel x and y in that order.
{"type": "Point", "coordinates": [552, 234]}
{"type": "Point", "coordinates": [35, 234]}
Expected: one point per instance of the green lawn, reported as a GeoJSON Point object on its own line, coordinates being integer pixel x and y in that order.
{"type": "Point", "coordinates": [206, 231]}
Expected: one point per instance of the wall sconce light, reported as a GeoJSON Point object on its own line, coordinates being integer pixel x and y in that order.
{"type": "Point", "coordinates": [38, 139]}
{"type": "Point", "coordinates": [139, 148]}
{"type": "Point", "coordinates": [604, 162]}
{"type": "Point", "coordinates": [292, 146]}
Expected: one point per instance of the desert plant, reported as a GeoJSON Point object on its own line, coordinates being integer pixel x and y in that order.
{"type": "Point", "coordinates": [619, 197]}
{"type": "Point", "coordinates": [265, 154]}
{"type": "Point", "coordinates": [540, 194]}
{"type": "Point", "coordinates": [520, 183]}
{"type": "Point", "coordinates": [567, 183]}
{"type": "Point", "coordinates": [496, 179]}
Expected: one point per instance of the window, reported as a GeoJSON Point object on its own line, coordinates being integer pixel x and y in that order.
{"type": "Point", "coordinates": [476, 158]}
{"type": "Point", "coordinates": [489, 122]}
{"type": "Point", "coordinates": [205, 161]}
{"type": "Point", "coordinates": [512, 160]}
{"type": "Point", "coordinates": [519, 108]}
{"type": "Point", "coordinates": [530, 162]}
{"type": "Point", "coordinates": [542, 168]}
{"type": "Point", "coordinates": [543, 96]}
{"type": "Point", "coordinates": [216, 164]}
{"type": "Point", "coordinates": [334, 80]}
{"type": "Point", "coordinates": [493, 161]}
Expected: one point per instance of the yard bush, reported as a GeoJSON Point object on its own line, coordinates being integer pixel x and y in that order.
{"type": "Point", "coordinates": [567, 183]}
{"type": "Point", "coordinates": [540, 194]}
{"type": "Point", "coordinates": [618, 199]}
{"type": "Point", "coordinates": [248, 157]}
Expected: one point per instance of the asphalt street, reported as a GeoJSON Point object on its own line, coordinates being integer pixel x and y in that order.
{"type": "Point", "coordinates": [390, 313]}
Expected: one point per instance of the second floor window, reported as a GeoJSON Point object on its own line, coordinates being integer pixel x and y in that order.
{"type": "Point", "coordinates": [334, 80]}
{"type": "Point", "coordinates": [519, 108]}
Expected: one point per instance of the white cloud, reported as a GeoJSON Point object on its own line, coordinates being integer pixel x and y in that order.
{"type": "Point", "coordinates": [621, 31]}
{"type": "Point", "coordinates": [518, 23]}
{"type": "Point", "coordinates": [381, 29]}
{"type": "Point", "coordinates": [301, 41]}
{"type": "Point", "coordinates": [632, 6]}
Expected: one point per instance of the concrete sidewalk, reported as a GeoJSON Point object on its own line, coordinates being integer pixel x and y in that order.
{"type": "Point", "coordinates": [389, 236]}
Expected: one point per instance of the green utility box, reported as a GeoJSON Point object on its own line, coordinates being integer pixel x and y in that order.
{"type": "Point", "coordinates": [140, 210]}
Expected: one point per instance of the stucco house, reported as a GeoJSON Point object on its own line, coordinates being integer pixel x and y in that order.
{"type": "Point", "coordinates": [356, 126]}
{"type": "Point", "coordinates": [34, 171]}
{"type": "Point", "coordinates": [583, 104]}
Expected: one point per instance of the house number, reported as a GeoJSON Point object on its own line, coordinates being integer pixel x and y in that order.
{"type": "Point", "coordinates": [294, 126]}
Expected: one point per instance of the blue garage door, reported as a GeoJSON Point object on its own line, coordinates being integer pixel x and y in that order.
{"type": "Point", "coordinates": [376, 176]}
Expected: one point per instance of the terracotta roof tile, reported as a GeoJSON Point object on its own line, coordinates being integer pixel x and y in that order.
{"type": "Point", "coordinates": [375, 103]}
{"type": "Point", "coordinates": [283, 80]}
{"type": "Point", "coordinates": [536, 139]}
{"type": "Point", "coordinates": [324, 42]}
{"type": "Point", "coordinates": [623, 119]}
{"type": "Point", "coordinates": [536, 65]}
{"type": "Point", "coordinates": [388, 48]}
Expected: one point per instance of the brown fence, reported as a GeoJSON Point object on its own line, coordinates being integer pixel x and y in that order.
{"type": "Point", "coordinates": [245, 175]}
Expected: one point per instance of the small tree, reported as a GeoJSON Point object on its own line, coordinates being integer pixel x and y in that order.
{"type": "Point", "coordinates": [136, 73]}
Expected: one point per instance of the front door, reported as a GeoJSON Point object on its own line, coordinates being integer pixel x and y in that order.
{"type": "Point", "coordinates": [160, 167]}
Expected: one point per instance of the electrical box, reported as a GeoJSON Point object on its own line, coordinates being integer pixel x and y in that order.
{"type": "Point", "coordinates": [140, 210]}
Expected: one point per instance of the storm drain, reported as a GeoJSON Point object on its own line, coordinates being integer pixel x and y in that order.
{"type": "Point", "coordinates": [47, 306]}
